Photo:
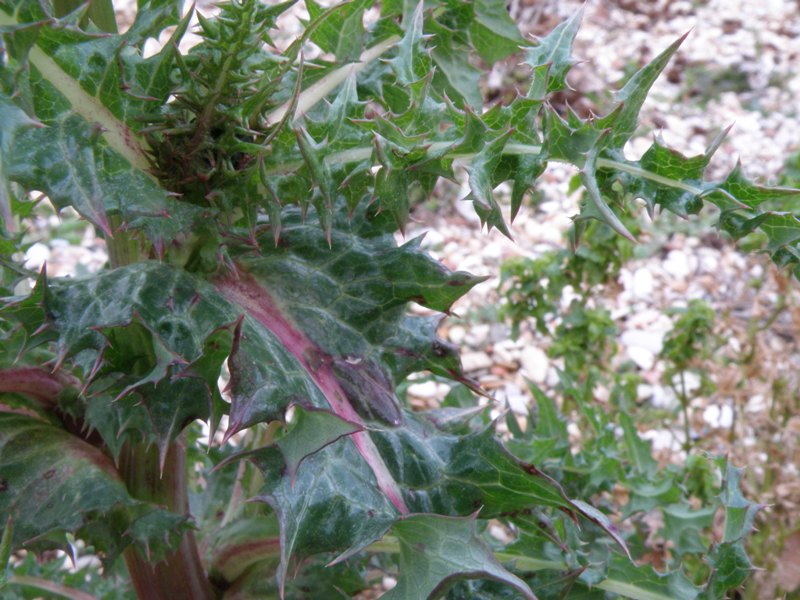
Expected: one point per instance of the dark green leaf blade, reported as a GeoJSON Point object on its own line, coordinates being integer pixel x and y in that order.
{"type": "Point", "coordinates": [436, 551]}
{"type": "Point", "coordinates": [311, 430]}
{"type": "Point", "coordinates": [55, 483]}
{"type": "Point", "coordinates": [332, 505]}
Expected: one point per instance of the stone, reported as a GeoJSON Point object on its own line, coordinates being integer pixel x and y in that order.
{"type": "Point", "coordinates": [475, 361]}
{"type": "Point", "coordinates": [456, 334]}
{"type": "Point", "coordinates": [720, 417]}
{"type": "Point", "coordinates": [677, 264]}
{"type": "Point", "coordinates": [535, 364]}
{"type": "Point", "coordinates": [658, 396]}
{"type": "Point", "coordinates": [652, 341]}
{"type": "Point", "coordinates": [36, 256]}
{"type": "Point", "coordinates": [428, 390]}
{"type": "Point", "coordinates": [641, 357]}
{"type": "Point", "coordinates": [505, 356]}
{"type": "Point", "coordinates": [477, 335]}
{"type": "Point", "coordinates": [517, 401]}
{"type": "Point", "coordinates": [642, 284]}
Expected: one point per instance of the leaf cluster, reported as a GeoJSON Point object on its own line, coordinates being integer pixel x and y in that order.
{"type": "Point", "coordinates": [250, 198]}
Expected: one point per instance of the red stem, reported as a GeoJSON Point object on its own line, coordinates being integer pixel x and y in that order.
{"type": "Point", "coordinates": [247, 293]}
{"type": "Point", "coordinates": [36, 383]}
{"type": "Point", "coordinates": [180, 576]}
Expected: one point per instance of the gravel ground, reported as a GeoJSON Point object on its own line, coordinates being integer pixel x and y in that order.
{"type": "Point", "coordinates": [738, 66]}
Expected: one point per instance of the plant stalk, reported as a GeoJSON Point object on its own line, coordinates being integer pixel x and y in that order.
{"type": "Point", "coordinates": [180, 575]}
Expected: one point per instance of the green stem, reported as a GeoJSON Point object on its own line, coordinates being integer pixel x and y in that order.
{"type": "Point", "coordinates": [687, 444]}
{"type": "Point", "coordinates": [645, 174]}
{"type": "Point", "coordinates": [123, 247]}
{"type": "Point", "coordinates": [353, 155]}
{"type": "Point", "coordinates": [180, 575]}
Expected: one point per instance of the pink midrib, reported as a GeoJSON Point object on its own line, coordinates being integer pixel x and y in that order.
{"type": "Point", "coordinates": [260, 305]}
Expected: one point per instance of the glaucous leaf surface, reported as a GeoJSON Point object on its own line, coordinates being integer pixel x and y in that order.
{"type": "Point", "coordinates": [256, 195]}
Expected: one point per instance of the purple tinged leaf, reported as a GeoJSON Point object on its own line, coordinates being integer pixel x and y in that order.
{"type": "Point", "coordinates": [55, 483]}
{"type": "Point", "coordinates": [35, 382]}
{"type": "Point", "coordinates": [258, 304]}
{"type": "Point", "coordinates": [594, 515]}
{"type": "Point", "coordinates": [368, 389]}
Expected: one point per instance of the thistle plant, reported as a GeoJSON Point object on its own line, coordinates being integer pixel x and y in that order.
{"type": "Point", "coordinates": [249, 199]}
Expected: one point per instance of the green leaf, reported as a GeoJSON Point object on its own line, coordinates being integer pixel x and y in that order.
{"type": "Point", "coordinates": [597, 207]}
{"type": "Point", "coordinates": [668, 164]}
{"type": "Point", "coordinates": [331, 505]}
{"type": "Point", "coordinates": [554, 52]}
{"type": "Point", "coordinates": [731, 566]}
{"type": "Point", "coordinates": [13, 120]}
{"type": "Point", "coordinates": [54, 483]}
{"type": "Point", "coordinates": [739, 512]}
{"type": "Point", "coordinates": [641, 452]}
{"type": "Point", "coordinates": [5, 550]}
{"type": "Point", "coordinates": [311, 430]}
{"type": "Point", "coordinates": [631, 97]}
{"type": "Point", "coordinates": [409, 60]}
{"type": "Point", "coordinates": [482, 184]}
{"type": "Point", "coordinates": [86, 113]}
{"type": "Point", "coordinates": [461, 75]}
{"type": "Point", "coordinates": [436, 551]}
{"type": "Point", "coordinates": [493, 32]}
{"type": "Point", "coordinates": [683, 524]}
{"type": "Point", "coordinates": [644, 583]}
{"type": "Point", "coordinates": [342, 32]}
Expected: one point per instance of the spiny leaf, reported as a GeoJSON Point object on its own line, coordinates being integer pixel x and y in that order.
{"type": "Point", "coordinates": [409, 51]}
{"type": "Point", "coordinates": [342, 33]}
{"type": "Point", "coordinates": [481, 183]}
{"type": "Point", "coordinates": [645, 583]}
{"type": "Point", "coordinates": [640, 451]}
{"type": "Point", "coordinates": [453, 60]}
{"type": "Point", "coordinates": [684, 524]}
{"type": "Point", "coordinates": [631, 97]}
{"type": "Point", "coordinates": [310, 431]}
{"type": "Point", "coordinates": [597, 205]}
{"type": "Point", "coordinates": [91, 118]}
{"type": "Point", "coordinates": [662, 162]}
{"type": "Point", "coordinates": [331, 505]}
{"type": "Point", "coordinates": [569, 138]}
{"type": "Point", "coordinates": [5, 550]}
{"type": "Point", "coordinates": [554, 52]}
{"type": "Point", "coordinates": [436, 551]}
{"type": "Point", "coordinates": [739, 512]}
{"type": "Point", "coordinates": [13, 119]}
{"type": "Point", "coordinates": [54, 483]}
{"type": "Point", "coordinates": [493, 32]}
